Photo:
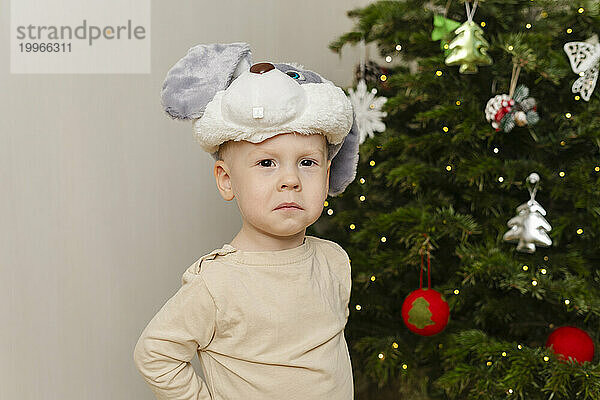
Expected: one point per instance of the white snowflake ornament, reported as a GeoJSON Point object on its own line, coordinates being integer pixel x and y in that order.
{"type": "Point", "coordinates": [367, 109]}
{"type": "Point", "coordinates": [585, 61]}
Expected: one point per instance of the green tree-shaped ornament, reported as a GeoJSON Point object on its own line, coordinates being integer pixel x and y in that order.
{"type": "Point", "coordinates": [442, 30]}
{"type": "Point", "coordinates": [469, 49]}
{"type": "Point", "coordinates": [419, 315]}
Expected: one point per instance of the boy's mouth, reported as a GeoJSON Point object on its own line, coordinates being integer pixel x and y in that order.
{"type": "Point", "coordinates": [288, 206]}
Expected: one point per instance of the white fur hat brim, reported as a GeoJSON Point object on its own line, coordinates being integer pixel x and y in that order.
{"type": "Point", "coordinates": [313, 108]}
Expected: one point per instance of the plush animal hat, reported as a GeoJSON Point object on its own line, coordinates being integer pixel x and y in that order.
{"type": "Point", "coordinates": [229, 98]}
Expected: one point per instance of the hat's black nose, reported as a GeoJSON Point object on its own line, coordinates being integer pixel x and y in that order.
{"type": "Point", "coordinates": [261, 68]}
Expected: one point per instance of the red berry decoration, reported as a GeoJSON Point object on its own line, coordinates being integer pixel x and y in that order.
{"type": "Point", "coordinates": [506, 110]}
{"type": "Point", "coordinates": [571, 342]}
{"type": "Point", "coordinates": [425, 312]}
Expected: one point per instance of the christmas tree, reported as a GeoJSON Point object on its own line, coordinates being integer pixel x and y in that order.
{"type": "Point", "coordinates": [442, 182]}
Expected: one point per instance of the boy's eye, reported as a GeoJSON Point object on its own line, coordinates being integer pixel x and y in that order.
{"type": "Point", "coordinates": [269, 163]}
{"type": "Point", "coordinates": [265, 163]}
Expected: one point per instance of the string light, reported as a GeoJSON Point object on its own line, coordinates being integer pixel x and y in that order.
{"type": "Point", "coordinates": [543, 271]}
{"type": "Point", "coordinates": [500, 179]}
{"type": "Point", "coordinates": [504, 354]}
{"type": "Point", "coordinates": [577, 98]}
{"type": "Point", "coordinates": [352, 226]}
{"type": "Point", "coordinates": [330, 211]}
{"type": "Point", "coordinates": [398, 47]}
{"type": "Point", "coordinates": [510, 47]}
{"type": "Point", "coordinates": [569, 30]}
{"type": "Point", "coordinates": [568, 115]}
{"type": "Point", "coordinates": [534, 282]}
{"type": "Point", "coordinates": [545, 258]}
{"type": "Point", "coordinates": [445, 129]}
{"type": "Point", "coordinates": [456, 291]}
{"type": "Point", "coordinates": [326, 203]}
{"type": "Point", "coordinates": [388, 59]}
{"type": "Point", "coordinates": [458, 102]}
{"type": "Point", "coordinates": [562, 143]}
{"type": "Point", "coordinates": [383, 239]}
{"type": "Point", "coordinates": [362, 180]}
{"type": "Point", "coordinates": [567, 301]}
{"type": "Point", "coordinates": [581, 10]}
{"type": "Point", "coordinates": [381, 356]}
{"type": "Point", "coordinates": [561, 174]}
{"type": "Point", "coordinates": [579, 231]}
{"type": "Point", "coordinates": [362, 198]}
{"type": "Point", "coordinates": [383, 78]}
{"type": "Point", "coordinates": [519, 347]}
{"type": "Point", "coordinates": [395, 345]}
{"type": "Point", "coordinates": [404, 366]}
{"type": "Point", "coordinates": [372, 278]}
{"type": "Point", "coordinates": [372, 163]}
{"type": "Point", "coordinates": [489, 363]}
{"type": "Point", "coordinates": [496, 150]}
{"type": "Point", "coordinates": [546, 358]}
{"type": "Point", "coordinates": [510, 391]}
{"type": "Point", "coordinates": [374, 90]}
{"type": "Point", "coordinates": [438, 72]}
{"type": "Point", "coordinates": [525, 267]}
{"type": "Point", "coordinates": [358, 307]}
{"type": "Point", "coordinates": [597, 168]}
{"type": "Point", "coordinates": [528, 26]}
{"type": "Point", "coordinates": [448, 168]}
{"type": "Point", "coordinates": [482, 23]}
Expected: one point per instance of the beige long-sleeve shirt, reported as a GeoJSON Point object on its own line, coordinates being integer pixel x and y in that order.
{"type": "Point", "coordinates": [266, 325]}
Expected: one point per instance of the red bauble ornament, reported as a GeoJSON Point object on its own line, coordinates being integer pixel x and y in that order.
{"type": "Point", "coordinates": [425, 312]}
{"type": "Point", "coordinates": [569, 341]}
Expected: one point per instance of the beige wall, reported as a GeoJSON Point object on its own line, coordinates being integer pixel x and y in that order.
{"type": "Point", "coordinates": [105, 201]}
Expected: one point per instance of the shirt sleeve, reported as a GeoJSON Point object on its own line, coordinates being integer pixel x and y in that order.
{"type": "Point", "coordinates": [344, 272]}
{"type": "Point", "coordinates": [185, 324]}
{"type": "Point", "coordinates": [347, 281]}
{"type": "Point", "coordinates": [346, 268]}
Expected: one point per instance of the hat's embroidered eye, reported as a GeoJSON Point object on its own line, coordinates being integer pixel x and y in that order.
{"type": "Point", "coordinates": [296, 75]}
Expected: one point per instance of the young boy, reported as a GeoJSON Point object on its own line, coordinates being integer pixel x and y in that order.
{"type": "Point", "coordinates": [266, 312]}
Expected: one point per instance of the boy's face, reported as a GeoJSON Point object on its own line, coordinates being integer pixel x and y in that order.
{"type": "Point", "coordinates": [289, 167]}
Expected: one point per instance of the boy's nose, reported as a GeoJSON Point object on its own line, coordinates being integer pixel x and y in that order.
{"type": "Point", "coordinates": [289, 181]}
{"type": "Point", "coordinates": [294, 186]}
{"type": "Point", "coordinates": [261, 68]}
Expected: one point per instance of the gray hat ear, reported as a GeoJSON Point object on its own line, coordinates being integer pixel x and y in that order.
{"type": "Point", "coordinates": [195, 79]}
{"type": "Point", "coordinates": [345, 161]}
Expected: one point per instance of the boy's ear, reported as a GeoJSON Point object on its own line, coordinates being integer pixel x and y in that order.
{"type": "Point", "coordinates": [223, 179]}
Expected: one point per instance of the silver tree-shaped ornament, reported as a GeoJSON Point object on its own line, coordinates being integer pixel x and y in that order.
{"type": "Point", "coordinates": [529, 227]}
